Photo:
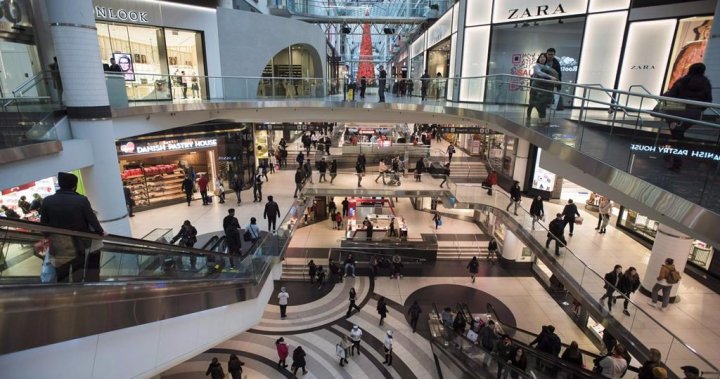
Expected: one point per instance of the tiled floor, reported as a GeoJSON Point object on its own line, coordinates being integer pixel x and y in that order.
{"type": "Point", "coordinates": [694, 319]}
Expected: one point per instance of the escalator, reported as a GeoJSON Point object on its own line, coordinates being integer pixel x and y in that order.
{"type": "Point", "coordinates": [140, 284]}
{"type": "Point", "coordinates": [464, 353]}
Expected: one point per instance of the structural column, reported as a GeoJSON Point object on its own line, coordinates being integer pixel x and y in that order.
{"type": "Point", "coordinates": [73, 30]}
{"type": "Point", "coordinates": [669, 243]}
{"type": "Point", "coordinates": [522, 151]}
{"type": "Point", "coordinates": [512, 247]}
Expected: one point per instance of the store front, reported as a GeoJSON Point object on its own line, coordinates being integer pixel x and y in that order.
{"type": "Point", "coordinates": [701, 255]}
{"type": "Point", "coordinates": [18, 54]}
{"type": "Point", "coordinates": [478, 141]}
{"type": "Point", "coordinates": [298, 64]}
{"type": "Point", "coordinates": [157, 62]}
{"type": "Point", "coordinates": [154, 166]}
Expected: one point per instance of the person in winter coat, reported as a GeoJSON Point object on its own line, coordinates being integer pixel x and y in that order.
{"type": "Point", "coordinates": [188, 237]}
{"type": "Point", "coordinates": [307, 170]}
{"type": "Point", "coordinates": [492, 250]}
{"type": "Point", "coordinates": [341, 352]}
{"type": "Point", "coordinates": [271, 213]}
{"type": "Point", "coordinates": [353, 298]}
{"type": "Point", "coordinates": [515, 197]}
{"type": "Point", "coordinates": [604, 210]}
{"type": "Point", "coordinates": [612, 281]}
{"type": "Point", "coordinates": [570, 211]}
{"type": "Point", "coordinates": [321, 166]}
{"type": "Point", "coordinates": [629, 283]}
{"type": "Point", "coordinates": [541, 95]}
{"type": "Point", "coordinates": [414, 312]}
{"type": "Point", "coordinates": [282, 352]}
{"type": "Point", "coordinates": [298, 360]}
{"type": "Point", "coordinates": [537, 210]}
{"type": "Point", "coordinates": [646, 371]}
{"type": "Point", "coordinates": [550, 343]}
{"type": "Point", "coordinates": [488, 337]}
{"type": "Point", "coordinates": [472, 268]}
{"type": "Point", "coordinates": [556, 233]}
{"type": "Point", "coordinates": [299, 179]}
{"type": "Point", "coordinates": [236, 184]}
{"type": "Point", "coordinates": [573, 355]}
{"type": "Point", "coordinates": [215, 370]}
{"type": "Point", "coordinates": [503, 351]}
{"type": "Point", "coordinates": [518, 359]}
{"type": "Point", "coordinates": [300, 159]}
{"type": "Point", "coordinates": [419, 169]}
{"type": "Point", "coordinates": [188, 187]}
{"type": "Point", "coordinates": [666, 278]}
{"type": "Point", "coordinates": [490, 181]}
{"type": "Point", "coordinates": [382, 310]}
{"type": "Point", "coordinates": [333, 170]}
{"type": "Point", "coordinates": [694, 86]}
{"type": "Point", "coordinates": [235, 366]}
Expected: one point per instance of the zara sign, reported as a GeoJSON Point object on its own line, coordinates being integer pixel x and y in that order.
{"type": "Point", "coordinates": [525, 10]}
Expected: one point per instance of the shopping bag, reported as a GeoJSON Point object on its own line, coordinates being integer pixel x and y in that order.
{"type": "Point", "coordinates": [440, 222]}
{"type": "Point", "coordinates": [579, 220]}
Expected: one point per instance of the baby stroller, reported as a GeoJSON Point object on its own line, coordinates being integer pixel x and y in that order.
{"type": "Point", "coordinates": [394, 179]}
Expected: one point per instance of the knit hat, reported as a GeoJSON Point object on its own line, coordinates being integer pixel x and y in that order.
{"type": "Point", "coordinates": [659, 373]}
{"type": "Point", "coordinates": [67, 180]}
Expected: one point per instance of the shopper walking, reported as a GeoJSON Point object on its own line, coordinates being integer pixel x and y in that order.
{"type": "Point", "coordinates": [203, 183]}
{"type": "Point", "coordinates": [129, 202]}
{"type": "Point", "coordinates": [282, 352]}
{"type": "Point", "coordinates": [345, 207]}
{"type": "Point", "coordinates": [414, 312]}
{"type": "Point", "coordinates": [569, 213]}
{"type": "Point", "coordinates": [382, 309]}
{"type": "Point", "coordinates": [490, 181]}
{"type": "Point", "coordinates": [382, 80]}
{"type": "Point", "coordinates": [283, 297]}
{"type": "Point", "coordinates": [515, 197]}
{"type": "Point", "coordinates": [693, 86]}
{"type": "Point", "coordinates": [419, 169]}
{"type": "Point", "coordinates": [355, 337]}
{"type": "Point", "coordinates": [352, 305]}
{"type": "Point", "coordinates": [235, 366]}
{"type": "Point", "coordinates": [492, 250]}
{"type": "Point", "coordinates": [299, 179]}
{"type": "Point", "coordinates": [629, 283]}
{"type": "Point", "coordinates": [257, 187]}
{"type": "Point", "coordinates": [236, 184]}
{"type": "Point", "coordinates": [556, 233]}
{"type": "Point", "coordinates": [424, 83]}
{"type": "Point", "coordinates": [537, 210]}
{"type": "Point", "coordinates": [605, 211]}
{"type": "Point", "coordinates": [220, 191]}
{"type": "Point", "coordinates": [231, 227]}
{"type": "Point", "coordinates": [188, 187]}
{"type": "Point", "coordinates": [187, 237]}
{"type": "Point", "coordinates": [299, 361]}
{"type": "Point", "coordinates": [667, 277]}
{"type": "Point", "coordinates": [360, 171]}
{"type": "Point", "coordinates": [322, 169]}
{"type": "Point", "coordinates": [215, 370]}
{"type": "Point", "coordinates": [363, 87]}
{"type": "Point", "coordinates": [450, 152]}
{"type": "Point", "coordinates": [382, 169]}
{"type": "Point", "coordinates": [300, 159]}
{"type": "Point", "coordinates": [472, 268]}
{"type": "Point", "coordinates": [437, 219]}
{"type": "Point", "coordinates": [341, 353]}
{"type": "Point", "coordinates": [307, 170]}
{"type": "Point", "coordinates": [271, 213]}
{"type": "Point", "coordinates": [333, 170]}
{"type": "Point", "coordinates": [388, 346]}
{"type": "Point", "coordinates": [612, 282]}
{"type": "Point", "coordinates": [446, 175]}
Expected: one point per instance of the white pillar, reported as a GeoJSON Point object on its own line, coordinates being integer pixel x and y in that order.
{"type": "Point", "coordinates": [669, 243]}
{"type": "Point", "coordinates": [522, 151]}
{"type": "Point", "coordinates": [73, 30]}
{"type": "Point", "coordinates": [512, 247]}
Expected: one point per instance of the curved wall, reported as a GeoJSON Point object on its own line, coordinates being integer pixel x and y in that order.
{"type": "Point", "coordinates": [250, 40]}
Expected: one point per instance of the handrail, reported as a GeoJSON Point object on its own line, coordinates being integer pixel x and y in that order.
{"type": "Point", "coordinates": [350, 250]}
{"type": "Point", "coordinates": [621, 294]}
{"type": "Point", "coordinates": [37, 227]}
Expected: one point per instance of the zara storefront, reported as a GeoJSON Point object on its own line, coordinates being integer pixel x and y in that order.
{"type": "Point", "coordinates": [613, 43]}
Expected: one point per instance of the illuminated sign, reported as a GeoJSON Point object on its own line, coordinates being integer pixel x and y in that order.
{"type": "Point", "coordinates": [522, 10]}
{"type": "Point", "coordinates": [170, 145]}
{"type": "Point", "coordinates": [672, 150]}
{"type": "Point", "coordinates": [111, 14]}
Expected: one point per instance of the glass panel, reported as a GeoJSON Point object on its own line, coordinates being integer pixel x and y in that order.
{"type": "Point", "coordinates": [185, 63]}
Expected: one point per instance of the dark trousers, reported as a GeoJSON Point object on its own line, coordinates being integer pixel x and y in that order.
{"type": "Point", "coordinates": [423, 93]}
{"type": "Point", "coordinates": [627, 299]}
{"type": "Point", "coordinates": [608, 295]}
{"type": "Point", "coordinates": [76, 269]}
{"type": "Point", "coordinates": [188, 197]}
{"type": "Point", "coordinates": [237, 194]}
{"type": "Point", "coordinates": [298, 188]}
{"type": "Point", "coordinates": [204, 196]}
{"type": "Point", "coordinates": [283, 309]}
{"type": "Point", "coordinates": [272, 223]}
{"type": "Point", "coordinates": [344, 211]}
{"type": "Point", "coordinates": [558, 243]}
{"type": "Point", "coordinates": [257, 192]}
{"type": "Point", "coordinates": [381, 90]}
{"type": "Point", "coordinates": [388, 356]}
{"type": "Point", "coordinates": [571, 223]}
{"type": "Point", "coordinates": [351, 307]}
{"type": "Point", "coordinates": [355, 345]}
{"type": "Point", "coordinates": [322, 177]}
{"type": "Point", "coordinates": [413, 323]}
{"type": "Point", "coordinates": [362, 92]}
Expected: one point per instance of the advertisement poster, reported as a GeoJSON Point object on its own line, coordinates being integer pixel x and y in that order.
{"type": "Point", "coordinates": [543, 180]}
{"type": "Point", "coordinates": [124, 60]}
{"type": "Point", "coordinates": [690, 43]}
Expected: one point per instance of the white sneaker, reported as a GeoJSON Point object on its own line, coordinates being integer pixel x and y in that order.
{"type": "Point", "coordinates": [345, 276]}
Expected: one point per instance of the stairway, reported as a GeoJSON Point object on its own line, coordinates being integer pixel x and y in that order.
{"type": "Point", "coordinates": [295, 269]}
{"type": "Point", "coordinates": [461, 250]}
{"type": "Point", "coordinates": [472, 171]}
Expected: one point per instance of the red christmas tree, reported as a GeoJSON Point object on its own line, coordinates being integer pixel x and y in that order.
{"type": "Point", "coordinates": [366, 67]}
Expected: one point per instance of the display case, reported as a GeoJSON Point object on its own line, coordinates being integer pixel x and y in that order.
{"type": "Point", "coordinates": [701, 254]}
{"type": "Point", "coordinates": [155, 184]}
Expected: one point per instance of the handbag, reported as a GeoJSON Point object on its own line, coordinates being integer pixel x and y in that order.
{"type": "Point", "coordinates": [440, 222]}
{"type": "Point", "coordinates": [579, 220]}
{"type": "Point", "coordinates": [247, 236]}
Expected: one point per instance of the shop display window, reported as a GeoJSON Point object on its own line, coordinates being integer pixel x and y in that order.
{"type": "Point", "coordinates": [156, 63]}
{"type": "Point", "coordinates": [638, 223]}
{"type": "Point", "coordinates": [11, 196]}
{"type": "Point", "coordinates": [298, 64]}
{"type": "Point", "coordinates": [701, 255]}
{"type": "Point", "coordinates": [690, 44]}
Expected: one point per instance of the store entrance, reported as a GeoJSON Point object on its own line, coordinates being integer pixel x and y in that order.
{"type": "Point", "coordinates": [438, 66]}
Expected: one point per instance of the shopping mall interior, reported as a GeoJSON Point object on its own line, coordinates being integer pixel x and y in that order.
{"type": "Point", "coordinates": [359, 189]}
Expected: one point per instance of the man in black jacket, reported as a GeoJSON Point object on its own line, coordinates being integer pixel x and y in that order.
{"type": "Point", "coordinates": [70, 210]}
{"type": "Point", "coordinates": [419, 168]}
{"type": "Point", "coordinates": [322, 168]}
{"type": "Point", "coordinates": [272, 212]}
{"type": "Point", "coordinates": [382, 79]}
{"type": "Point", "coordinates": [188, 187]}
{"type": "Point", "coordinates": [612, 281]}
{"type": "Point", "coordinates": [555, 64]}
{"type": "Point", "coordinates": [299, 178]}
{"type": "Point", "coordinates": [556, 233]}
{"type": "Point", "coordinates": [569, 213]}
{"type": "Point", "coordinates": [231, 226]}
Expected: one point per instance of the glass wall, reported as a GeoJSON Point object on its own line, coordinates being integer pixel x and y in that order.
{"type": "Point", "coordinates": [157, 63]}
{"type": "Point", "coordinates": [18, 63]}
{"type": "Point", "coordinates": [516, 47]}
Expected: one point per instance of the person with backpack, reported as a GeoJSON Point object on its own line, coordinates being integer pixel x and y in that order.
{"type": "Point", "coordinates": [215, 370]}
{"type": "Point", "coordinates": [472, 267]}
{"type": "Point", "coordinates": [668, 277]}
{"type": "Point", "coordinates": [257, 186]}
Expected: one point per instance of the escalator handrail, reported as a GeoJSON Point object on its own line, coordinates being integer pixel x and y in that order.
{"type": "Point", "coordinates": [35, 228]}
{"type": "Point", "coordinates": [350, 250]}
{"type": "Point", "coordinates": [210, 243]}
